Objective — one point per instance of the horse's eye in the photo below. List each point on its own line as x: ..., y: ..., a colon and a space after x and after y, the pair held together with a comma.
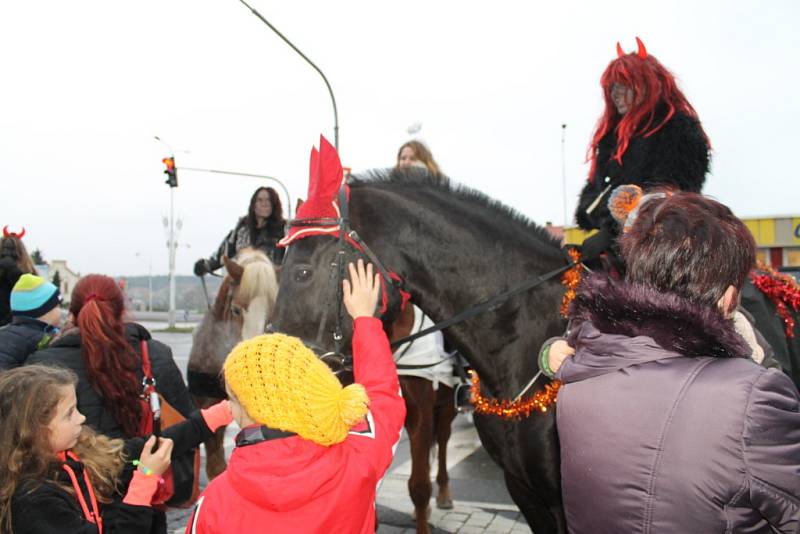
x: 236, y: 310
x: 302, y: 274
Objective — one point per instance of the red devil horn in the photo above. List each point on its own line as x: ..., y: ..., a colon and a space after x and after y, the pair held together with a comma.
x: 620, y: 51
x: 6, y: 233
x: 642, y: 53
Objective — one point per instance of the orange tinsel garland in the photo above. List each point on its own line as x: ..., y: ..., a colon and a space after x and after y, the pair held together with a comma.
x: 570, y: 280
x: 506, y: 409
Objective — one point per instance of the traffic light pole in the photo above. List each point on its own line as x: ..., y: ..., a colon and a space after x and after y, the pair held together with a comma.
x: 172, y: 181
x: 262, y: 176
x: 171, y: 257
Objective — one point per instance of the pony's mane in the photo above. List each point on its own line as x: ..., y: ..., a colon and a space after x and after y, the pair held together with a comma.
x: 259, y: 276
x: 513, y: 222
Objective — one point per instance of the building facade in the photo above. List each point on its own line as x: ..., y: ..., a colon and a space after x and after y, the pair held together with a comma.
x: 777, y: 239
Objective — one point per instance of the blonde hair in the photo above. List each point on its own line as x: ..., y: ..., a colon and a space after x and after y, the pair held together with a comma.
x: 29, y: 396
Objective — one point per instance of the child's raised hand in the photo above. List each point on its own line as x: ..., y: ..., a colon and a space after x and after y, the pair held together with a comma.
x: 362, y: 291
x: 157, y: 461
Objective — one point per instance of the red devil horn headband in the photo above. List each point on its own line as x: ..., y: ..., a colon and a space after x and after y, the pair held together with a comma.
x: 6, y: 233
x: 641, y: 52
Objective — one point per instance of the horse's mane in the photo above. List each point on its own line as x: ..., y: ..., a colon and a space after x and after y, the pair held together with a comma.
x: 259, y: 277
x: 510, y: 222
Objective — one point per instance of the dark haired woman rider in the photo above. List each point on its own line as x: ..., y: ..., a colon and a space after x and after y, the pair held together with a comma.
x: 261, y: 228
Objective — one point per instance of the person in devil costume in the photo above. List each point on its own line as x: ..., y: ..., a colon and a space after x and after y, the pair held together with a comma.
x: 14, y: 262
x: 648, y: 135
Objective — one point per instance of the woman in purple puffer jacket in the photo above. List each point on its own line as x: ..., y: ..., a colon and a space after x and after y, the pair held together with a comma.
x: 665, y: 424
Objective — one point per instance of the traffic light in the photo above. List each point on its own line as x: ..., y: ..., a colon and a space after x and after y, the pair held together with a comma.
x: 171, y: 171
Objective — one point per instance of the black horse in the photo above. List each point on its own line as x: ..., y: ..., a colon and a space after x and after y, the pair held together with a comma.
x: 455, y: 248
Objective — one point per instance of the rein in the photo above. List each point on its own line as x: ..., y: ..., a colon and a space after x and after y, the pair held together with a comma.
x: 349, y: 236
x: 529, y: 284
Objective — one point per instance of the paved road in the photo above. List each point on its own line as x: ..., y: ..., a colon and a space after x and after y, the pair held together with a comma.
x: 482, y: 503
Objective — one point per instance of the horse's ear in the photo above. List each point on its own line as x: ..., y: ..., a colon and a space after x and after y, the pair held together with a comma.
x: 233, y: 268
x: 298, y: 205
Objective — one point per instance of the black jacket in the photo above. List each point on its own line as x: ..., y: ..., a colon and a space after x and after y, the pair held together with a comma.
x: 66, y: 352
x: 22, y: 338
x: 265, y: 239
x: 676, y: 156
x: 46, y: 508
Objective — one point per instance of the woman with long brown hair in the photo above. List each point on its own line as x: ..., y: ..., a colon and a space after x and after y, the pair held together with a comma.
x: 261, y: 228
x: 59, y: 476
x: 104, y: 352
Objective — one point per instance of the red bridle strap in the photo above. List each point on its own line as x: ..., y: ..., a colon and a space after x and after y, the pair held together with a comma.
x: 405, y: 296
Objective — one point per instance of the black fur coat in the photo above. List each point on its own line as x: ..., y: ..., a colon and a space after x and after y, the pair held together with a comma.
x: 676, y: 155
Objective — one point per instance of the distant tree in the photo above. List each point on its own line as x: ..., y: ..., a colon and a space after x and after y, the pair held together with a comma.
x: 37, y: 257
x: 57, y: 279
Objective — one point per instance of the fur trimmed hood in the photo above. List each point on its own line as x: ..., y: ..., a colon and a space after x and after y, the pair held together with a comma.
x: 616, y: 325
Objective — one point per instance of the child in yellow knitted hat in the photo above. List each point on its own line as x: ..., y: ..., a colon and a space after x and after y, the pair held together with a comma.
x: 310, y: 452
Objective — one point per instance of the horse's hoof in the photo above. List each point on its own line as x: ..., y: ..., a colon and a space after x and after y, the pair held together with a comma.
x: 444, y: 502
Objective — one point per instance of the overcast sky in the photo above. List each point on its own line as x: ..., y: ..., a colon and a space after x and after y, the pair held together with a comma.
x: 87, y: 84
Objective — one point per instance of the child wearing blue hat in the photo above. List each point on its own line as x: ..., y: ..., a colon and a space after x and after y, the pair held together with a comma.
x: 35, y: 318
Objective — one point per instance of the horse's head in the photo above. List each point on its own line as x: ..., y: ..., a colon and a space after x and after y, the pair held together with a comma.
x: 248, y: 293
x: 309, y: 303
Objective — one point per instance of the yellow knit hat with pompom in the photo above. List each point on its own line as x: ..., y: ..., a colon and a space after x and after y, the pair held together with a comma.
x: 282, y: 385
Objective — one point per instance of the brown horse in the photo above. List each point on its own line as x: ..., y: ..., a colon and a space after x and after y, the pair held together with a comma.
x: 241, y: 310
x: 429, y: 414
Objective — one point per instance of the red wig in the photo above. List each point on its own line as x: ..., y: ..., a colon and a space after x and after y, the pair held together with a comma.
x: 98, y: 306
x: 653, y: 86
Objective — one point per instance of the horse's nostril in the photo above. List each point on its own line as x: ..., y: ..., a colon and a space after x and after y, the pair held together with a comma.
x: 269, y: 329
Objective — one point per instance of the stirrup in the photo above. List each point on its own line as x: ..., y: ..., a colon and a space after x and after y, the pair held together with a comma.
x: 462, y: 396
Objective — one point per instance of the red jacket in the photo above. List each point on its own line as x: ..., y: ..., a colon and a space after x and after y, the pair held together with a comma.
x: 293, y: 485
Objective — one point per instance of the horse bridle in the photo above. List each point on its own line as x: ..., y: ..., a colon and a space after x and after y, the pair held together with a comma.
x: 347, y: 237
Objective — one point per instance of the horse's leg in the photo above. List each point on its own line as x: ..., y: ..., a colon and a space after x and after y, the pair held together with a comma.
x: 542, y: 517
x: 443, y: 416
x: 418, y: 395
x: 215, y: 445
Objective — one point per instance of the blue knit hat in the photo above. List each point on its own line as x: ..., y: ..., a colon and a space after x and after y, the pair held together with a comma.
x: 33, y: 296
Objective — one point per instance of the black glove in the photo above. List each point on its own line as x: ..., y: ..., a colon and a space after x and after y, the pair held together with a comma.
x: 201, y: 267
x: 593, y: 246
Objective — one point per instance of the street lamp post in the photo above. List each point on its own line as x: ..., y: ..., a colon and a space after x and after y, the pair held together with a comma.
x: 324, y: 79
x: 564, y: 171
